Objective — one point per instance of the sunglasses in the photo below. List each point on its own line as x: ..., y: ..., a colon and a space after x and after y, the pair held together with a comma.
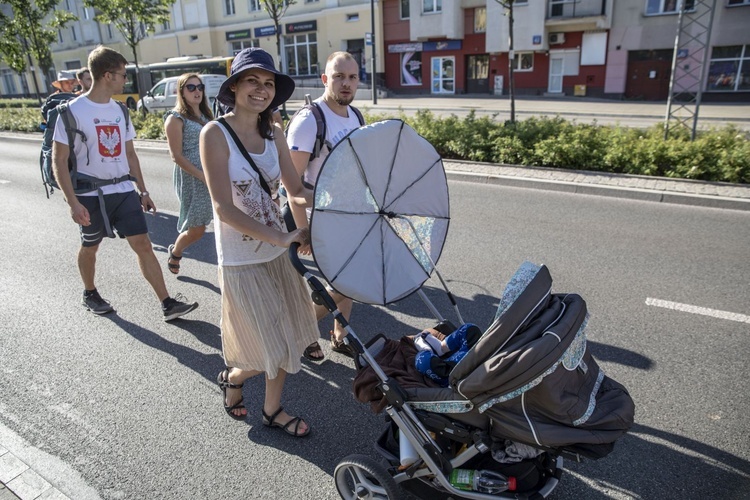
x: 193, y: 87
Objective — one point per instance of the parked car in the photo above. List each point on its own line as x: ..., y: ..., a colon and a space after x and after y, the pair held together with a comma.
x: 163, y: 96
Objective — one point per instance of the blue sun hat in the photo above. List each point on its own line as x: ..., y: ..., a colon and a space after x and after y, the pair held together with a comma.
x: 255, y: 57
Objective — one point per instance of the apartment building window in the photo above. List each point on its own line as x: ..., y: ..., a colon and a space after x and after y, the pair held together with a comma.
x: 729, y: 69
x: 301, y: 54
x: 86, y: 14
x: 431, y: 6
x: 654, y: 7
x: 59, y: 36
x: 253, y: 5
x: 73, y: 33
x: 523, y: 61
x: 239, y: 45
x: 480, y: 20
x: 311, y: 1
x: 9, y: 82
x: 739, y: 2
x: 229, y: 7
x: 404, y: 9
x: 110, y: 33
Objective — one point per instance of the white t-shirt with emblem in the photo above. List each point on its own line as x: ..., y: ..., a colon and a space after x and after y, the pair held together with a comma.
x: 103, y: 154
x: 302, y: 132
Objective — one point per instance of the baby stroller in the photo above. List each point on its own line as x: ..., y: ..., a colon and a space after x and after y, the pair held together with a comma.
x: 523, y: 397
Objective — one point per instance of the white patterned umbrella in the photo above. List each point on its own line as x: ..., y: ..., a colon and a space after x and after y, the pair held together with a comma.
x: 381, y: 213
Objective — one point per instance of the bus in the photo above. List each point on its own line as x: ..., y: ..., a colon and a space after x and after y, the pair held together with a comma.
x: 149, y: 75
x: 131, y: 91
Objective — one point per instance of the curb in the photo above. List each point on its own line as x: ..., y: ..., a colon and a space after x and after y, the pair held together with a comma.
x: 529, y: 182
x: 601, y: 190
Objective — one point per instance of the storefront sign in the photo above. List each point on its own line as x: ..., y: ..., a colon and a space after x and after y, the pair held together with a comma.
x: 265, y: 31
x: 444, y: 45
x: 302, y: 26
x: 238, y: 35
x: 397, y: 48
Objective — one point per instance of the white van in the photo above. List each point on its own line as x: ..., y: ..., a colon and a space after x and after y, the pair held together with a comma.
x: 163, y: 96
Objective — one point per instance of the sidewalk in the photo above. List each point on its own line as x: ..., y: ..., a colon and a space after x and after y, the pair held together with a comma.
x: 19, y: 481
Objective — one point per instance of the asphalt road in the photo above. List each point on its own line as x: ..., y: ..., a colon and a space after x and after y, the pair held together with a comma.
x: 126, y: 406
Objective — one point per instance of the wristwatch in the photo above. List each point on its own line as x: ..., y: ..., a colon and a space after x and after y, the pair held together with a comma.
x: 143, y: 193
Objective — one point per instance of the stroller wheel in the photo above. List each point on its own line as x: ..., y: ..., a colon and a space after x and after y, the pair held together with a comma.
x: 361, y: 477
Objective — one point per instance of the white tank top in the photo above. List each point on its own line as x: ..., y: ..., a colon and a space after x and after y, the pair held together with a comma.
x: 232, y: 247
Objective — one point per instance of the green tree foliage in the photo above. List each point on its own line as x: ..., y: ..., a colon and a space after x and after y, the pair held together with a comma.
x: 29, y: 33
x: 134, y: 19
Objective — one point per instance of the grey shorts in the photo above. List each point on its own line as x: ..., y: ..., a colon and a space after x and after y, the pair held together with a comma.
x: 124, y: 212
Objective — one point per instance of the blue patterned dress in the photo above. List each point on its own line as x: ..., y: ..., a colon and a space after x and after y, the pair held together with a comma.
x: 195, y: 202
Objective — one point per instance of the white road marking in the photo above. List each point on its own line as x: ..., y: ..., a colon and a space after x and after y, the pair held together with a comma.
x: 705, y: 311
x: 2, y: 181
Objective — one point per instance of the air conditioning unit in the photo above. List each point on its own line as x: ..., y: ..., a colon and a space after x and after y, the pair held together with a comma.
x: 556, y: 38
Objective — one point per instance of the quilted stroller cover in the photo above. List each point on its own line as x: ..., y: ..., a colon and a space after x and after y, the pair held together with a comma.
x: 533, y: 375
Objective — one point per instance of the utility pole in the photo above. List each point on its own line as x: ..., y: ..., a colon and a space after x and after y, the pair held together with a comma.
x: 689, y: 64
x: 374, y: 84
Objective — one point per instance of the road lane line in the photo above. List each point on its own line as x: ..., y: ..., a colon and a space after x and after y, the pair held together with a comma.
x: 705, y: 311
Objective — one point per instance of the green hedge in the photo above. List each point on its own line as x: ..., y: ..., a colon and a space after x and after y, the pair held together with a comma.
x: 715, y: 155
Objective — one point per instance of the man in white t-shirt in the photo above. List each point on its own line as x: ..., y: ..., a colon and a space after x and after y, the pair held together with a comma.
x: 108, y: 154
x: 341, y: 79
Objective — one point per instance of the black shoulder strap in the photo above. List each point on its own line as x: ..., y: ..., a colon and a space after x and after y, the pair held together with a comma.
x: 320, y: 123
x: 359, y: 115
x: 247, y: 156
x: 126, y: 112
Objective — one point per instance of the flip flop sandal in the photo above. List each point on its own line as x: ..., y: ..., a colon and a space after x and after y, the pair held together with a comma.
x: 271, y: 422
x: 312, y: 348
x: 224, y: 384
x: 173, y: 268
x: 340, y: 347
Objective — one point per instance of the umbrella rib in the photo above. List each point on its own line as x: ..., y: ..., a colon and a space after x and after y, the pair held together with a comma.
x: 414, y: 182
x: 362, y: 172
x: 393, y: 163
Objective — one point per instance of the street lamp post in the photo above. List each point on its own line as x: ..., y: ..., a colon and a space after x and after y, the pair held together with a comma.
x: 372, y: 40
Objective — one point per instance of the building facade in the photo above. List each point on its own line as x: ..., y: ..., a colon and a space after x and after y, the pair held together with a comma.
x: 310, y: 31
x: 601, y: 48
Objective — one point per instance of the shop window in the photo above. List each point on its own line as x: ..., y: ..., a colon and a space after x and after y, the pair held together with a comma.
x: 729, y: 69
x: 411, y: 68
x: 523, y: 61
x: 301, y: 53
x: 443, y: 75
x: 480, y: 20
x: 239, y: 45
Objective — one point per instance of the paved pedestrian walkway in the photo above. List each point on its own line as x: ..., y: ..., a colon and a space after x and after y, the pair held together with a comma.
x: 19, y: 481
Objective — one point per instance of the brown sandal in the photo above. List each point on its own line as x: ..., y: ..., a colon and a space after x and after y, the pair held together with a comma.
x: 173, y: 268
x: 270, y: 421
x: 341, y: 347
x: 311, y: 349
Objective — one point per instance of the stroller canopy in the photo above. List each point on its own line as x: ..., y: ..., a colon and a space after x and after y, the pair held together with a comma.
x: 381, y: 212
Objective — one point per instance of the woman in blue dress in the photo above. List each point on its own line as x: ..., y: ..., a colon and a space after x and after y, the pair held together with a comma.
x: 183, y: 126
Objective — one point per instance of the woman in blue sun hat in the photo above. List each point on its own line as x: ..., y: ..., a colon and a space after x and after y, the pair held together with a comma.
x: 268, y: 318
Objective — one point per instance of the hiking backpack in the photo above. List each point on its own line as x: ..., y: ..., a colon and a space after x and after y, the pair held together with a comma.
x: 57, y: 105
x: 320, y: 122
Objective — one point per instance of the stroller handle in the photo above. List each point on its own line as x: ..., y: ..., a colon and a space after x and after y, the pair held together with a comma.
x: 294, y: 257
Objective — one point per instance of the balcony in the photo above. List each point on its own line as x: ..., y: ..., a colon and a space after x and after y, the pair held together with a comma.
x: 574, y: 15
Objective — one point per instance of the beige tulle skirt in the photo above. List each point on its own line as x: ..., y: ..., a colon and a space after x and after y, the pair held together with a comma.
x: 267, y: 316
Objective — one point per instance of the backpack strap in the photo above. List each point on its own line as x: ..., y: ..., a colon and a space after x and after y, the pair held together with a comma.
x: 247, y: 156
x: 359, y: 115
x: 320, y: 136
x: 71, y: 128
